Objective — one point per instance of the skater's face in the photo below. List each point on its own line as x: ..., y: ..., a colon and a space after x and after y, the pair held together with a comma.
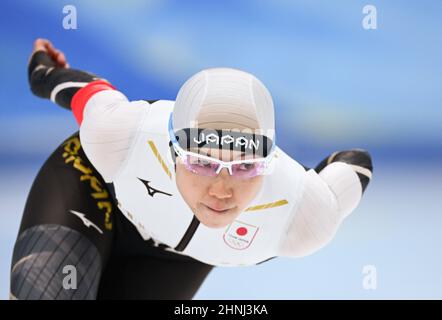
x: 216, y: 200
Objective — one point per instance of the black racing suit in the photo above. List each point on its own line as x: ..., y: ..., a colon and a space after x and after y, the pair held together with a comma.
x: 71, y: 220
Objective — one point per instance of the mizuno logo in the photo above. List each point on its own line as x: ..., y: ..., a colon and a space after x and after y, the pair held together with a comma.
x: 227, y: 139
x: 152, y: 191
x: 86, y: 221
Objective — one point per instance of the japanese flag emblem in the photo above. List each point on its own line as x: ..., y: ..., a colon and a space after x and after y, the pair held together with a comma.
x: 239, y: 235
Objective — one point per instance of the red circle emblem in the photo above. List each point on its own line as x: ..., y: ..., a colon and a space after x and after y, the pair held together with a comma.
x: 241, y: 231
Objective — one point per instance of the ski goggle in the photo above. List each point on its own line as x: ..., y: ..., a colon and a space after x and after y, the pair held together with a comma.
x: 209, y: 166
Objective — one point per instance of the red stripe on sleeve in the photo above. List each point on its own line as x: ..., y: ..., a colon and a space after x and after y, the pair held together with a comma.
x: 82, y: 96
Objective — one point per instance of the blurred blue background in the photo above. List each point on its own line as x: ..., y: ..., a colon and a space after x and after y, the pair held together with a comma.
x: 335, y: 86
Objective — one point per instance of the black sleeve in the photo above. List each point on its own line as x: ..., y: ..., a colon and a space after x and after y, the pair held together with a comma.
x: 46, y: 79
x: 357, y: 157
